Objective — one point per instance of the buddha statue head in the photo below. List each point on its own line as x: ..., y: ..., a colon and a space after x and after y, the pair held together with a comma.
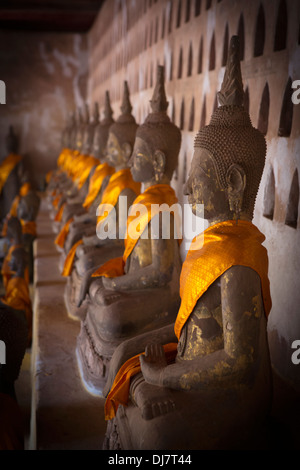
x: 14, y: 230
x: 72, y: 129
x: 80, y: 126
x: 28, y: 206
x: 229, y: 154
x: 122, y: 134
x: 101, y: 131
x: 12, y: 141
x: 90, y: 126
x: 158, y: 140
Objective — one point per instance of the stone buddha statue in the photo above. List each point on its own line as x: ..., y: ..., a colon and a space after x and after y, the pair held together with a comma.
x: 98, y: 182
x: 116, y: 142
x: 205, y: 382
x: 71, y: 203
x: 11, y: 170
x: 15, y: 274
x: 87, y: 146
x: 139, y: 291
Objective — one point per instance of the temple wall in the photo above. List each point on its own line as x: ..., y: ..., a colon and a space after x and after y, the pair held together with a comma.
x: 190, y: 37
x: 45, y: 74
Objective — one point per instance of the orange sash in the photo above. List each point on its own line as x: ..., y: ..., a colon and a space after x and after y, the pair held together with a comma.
x: 13, y: 212
x: 225, y: 244
x: 118, y: 181
x: 70, y: 259
x: 7, y: 166
x: 119, y: 392
x: 62, y: 236
x: 102, y: 171
x: 155, y: 195
x: 59, y: 213
x: 212, y: 253
x: 29, y: 227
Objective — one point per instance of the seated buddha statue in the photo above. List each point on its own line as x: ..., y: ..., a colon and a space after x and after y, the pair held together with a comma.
x: 59, y: 180
x: 205, y: 381
x: 89, y: 251
x: 73, y: 203
x: 15, y: 275
x: 68, y: 141
x: 97, y: 183
x: 139, y: 291
x: 11, y: 169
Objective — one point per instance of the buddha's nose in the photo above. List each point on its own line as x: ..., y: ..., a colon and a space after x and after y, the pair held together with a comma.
x: 187, y: 188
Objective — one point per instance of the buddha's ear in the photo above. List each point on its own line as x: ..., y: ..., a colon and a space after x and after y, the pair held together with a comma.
x: 159, y: 164
x: 236, y: 183
x: 127, y: 150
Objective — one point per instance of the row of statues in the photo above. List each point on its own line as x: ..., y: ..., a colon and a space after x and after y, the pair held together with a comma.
x: 179, y: 350
x: 19, y: 208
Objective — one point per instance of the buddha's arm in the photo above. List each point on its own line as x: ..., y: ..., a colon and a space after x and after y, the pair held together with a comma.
x: 114, y: 226
x: 137, y: 345
x: 241, y: 314
x: 156, y: 274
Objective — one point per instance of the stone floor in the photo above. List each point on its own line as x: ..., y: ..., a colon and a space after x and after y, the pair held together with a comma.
x: 58, y: 411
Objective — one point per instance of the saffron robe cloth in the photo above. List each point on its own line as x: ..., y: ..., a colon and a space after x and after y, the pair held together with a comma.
x: 211, y: 254
x: 119, y: 181
x: 102, y: 171
x: 151, y: 198
x: 13, y: 212
x: 7, y: 166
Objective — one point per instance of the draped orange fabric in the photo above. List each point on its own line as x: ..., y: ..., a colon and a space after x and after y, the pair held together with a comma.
x: 29, y: 227
x: 102, y: 171
x: 220, y: 247
x: 7, y: 166
x: 119, y: 392
x: 151, y: 199
x: 62, y: 236
x: 70, y: 259
x: 13, y: 212
x: 56, y: 201
x: 89, y: 163
x: 48, y: 176
x: 59, y: 213
x: 212, y: 253
x: 122, y: 181
x: 6, y: 270
x: 17, y: 296
x: 118, y: 182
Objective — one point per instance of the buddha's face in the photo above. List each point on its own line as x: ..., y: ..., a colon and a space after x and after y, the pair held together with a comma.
x: 116, y: 155
x: 98, y: 150
x: 141, y: 162
x: 202, y: 187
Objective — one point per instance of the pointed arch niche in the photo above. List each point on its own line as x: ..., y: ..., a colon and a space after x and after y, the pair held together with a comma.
x: 291, y: 218
x: 260, y: 32
x: 286, y: 115
x: 263, y: 117
x: 269, y: 196
x: 281, y: 27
